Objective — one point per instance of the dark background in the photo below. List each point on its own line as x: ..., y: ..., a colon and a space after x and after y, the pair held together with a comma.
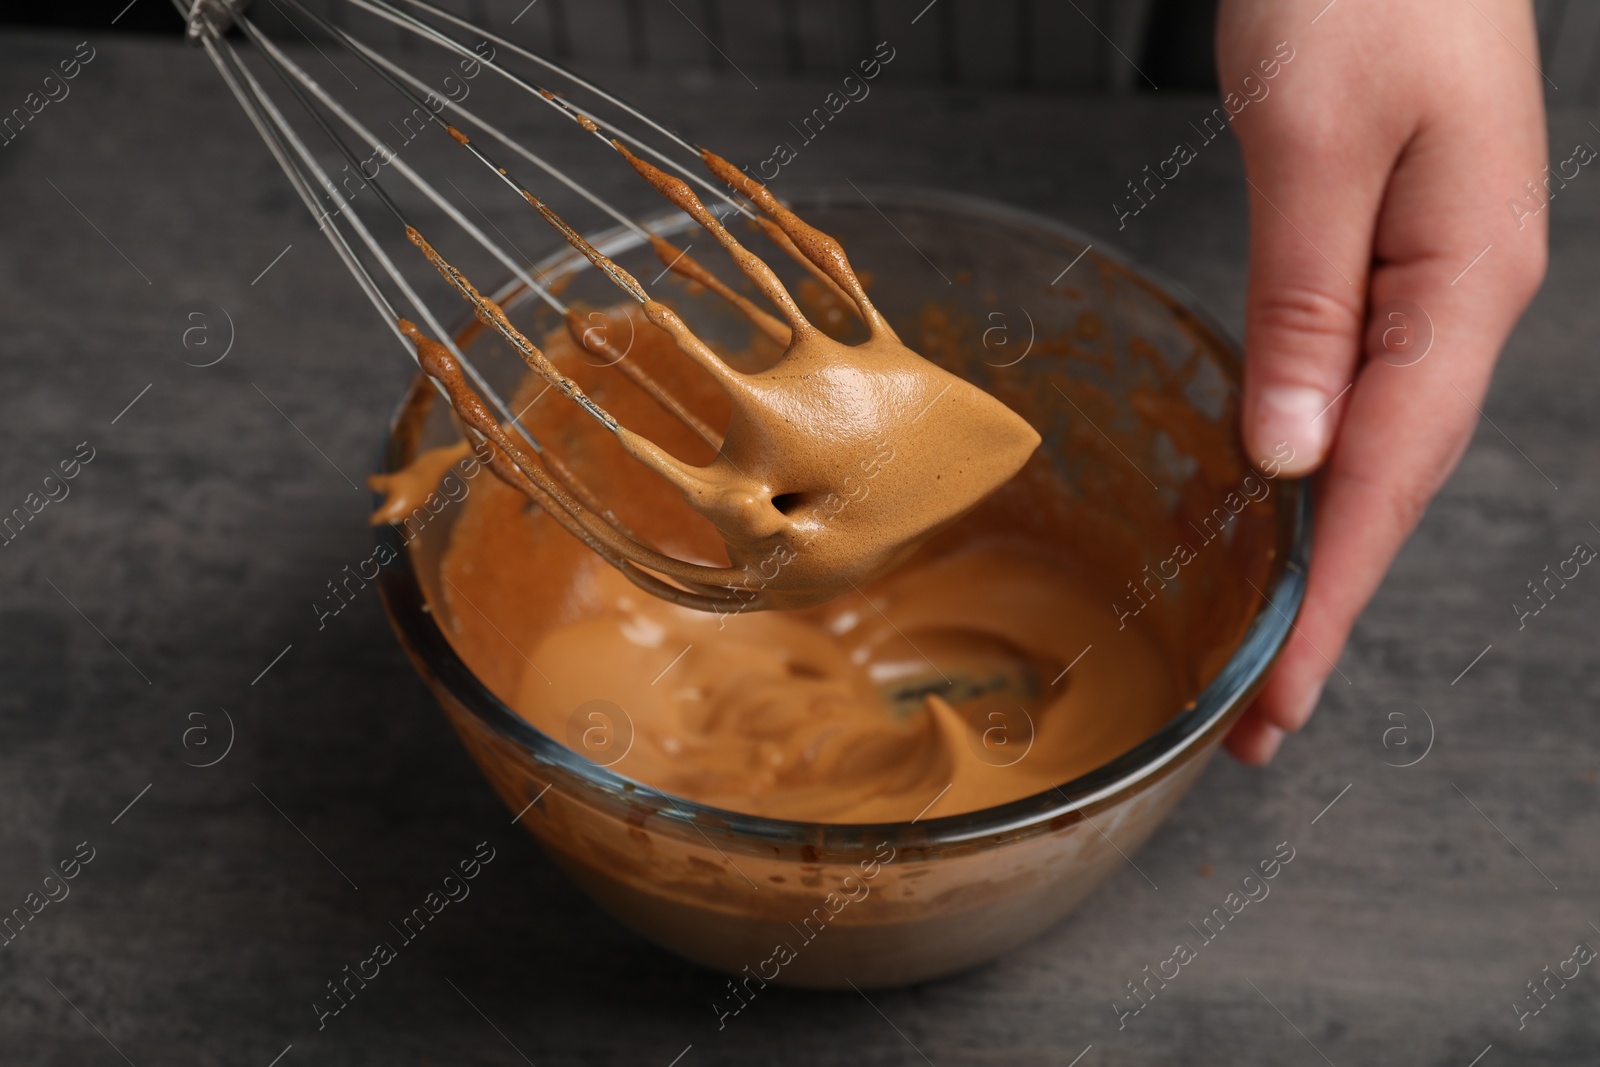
x: 1174, y: 44
x: 191, y: 548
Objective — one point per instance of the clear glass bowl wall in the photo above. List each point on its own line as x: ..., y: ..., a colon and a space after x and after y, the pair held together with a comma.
x: 820, y: 905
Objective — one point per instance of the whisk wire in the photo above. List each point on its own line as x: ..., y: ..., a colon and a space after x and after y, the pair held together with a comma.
x: 222, y: 57
x: 545, y: 480
x: 276, y: 56
x: 307, y: 160
x: 509, y: 142
x: 562, y: 472
x: 622, y: 278
x: 384, y: 9
x: 283, y: 66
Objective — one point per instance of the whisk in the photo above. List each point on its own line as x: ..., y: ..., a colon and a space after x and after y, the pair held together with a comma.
x: 943, y: 443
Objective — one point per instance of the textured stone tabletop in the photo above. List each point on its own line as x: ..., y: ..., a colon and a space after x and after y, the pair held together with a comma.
x: 175, y: 579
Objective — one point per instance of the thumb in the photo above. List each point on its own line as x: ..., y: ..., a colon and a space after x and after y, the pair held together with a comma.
x: 1313, y: 212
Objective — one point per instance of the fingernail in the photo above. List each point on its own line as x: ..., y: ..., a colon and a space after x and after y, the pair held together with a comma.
x: 1254, y: 739
x: 1269, y: 743
x: 1301, y: 713
x: 1293, y: 426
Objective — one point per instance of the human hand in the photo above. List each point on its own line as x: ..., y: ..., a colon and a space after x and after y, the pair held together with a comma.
x: 1381, y: 163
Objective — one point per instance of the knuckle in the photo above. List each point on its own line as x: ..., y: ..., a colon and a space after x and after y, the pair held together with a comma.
x: 1310, y: 136
x: 1526, y: 266
x: 1305, y: 310
x: 1406, y: 504
x: 1401, y: 502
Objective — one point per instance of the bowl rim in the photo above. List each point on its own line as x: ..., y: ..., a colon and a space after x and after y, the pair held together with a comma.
x: 1243, y: 673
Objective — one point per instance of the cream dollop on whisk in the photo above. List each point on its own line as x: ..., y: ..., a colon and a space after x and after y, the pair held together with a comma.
x: 836, y: 462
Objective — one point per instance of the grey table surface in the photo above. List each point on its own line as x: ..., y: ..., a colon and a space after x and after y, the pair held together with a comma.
x: 188, y: 552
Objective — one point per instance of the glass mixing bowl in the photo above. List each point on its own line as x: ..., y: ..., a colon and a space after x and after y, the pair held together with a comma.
x: 1146, y: 450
